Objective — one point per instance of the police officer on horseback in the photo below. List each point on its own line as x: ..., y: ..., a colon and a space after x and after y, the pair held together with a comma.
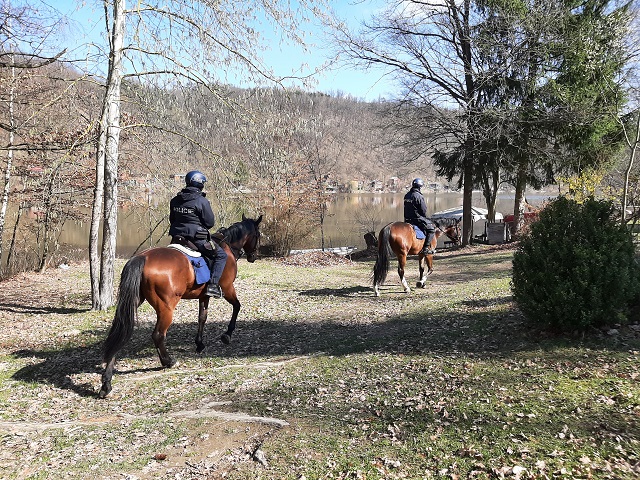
x: 415, y: 213
x: 191, y: 217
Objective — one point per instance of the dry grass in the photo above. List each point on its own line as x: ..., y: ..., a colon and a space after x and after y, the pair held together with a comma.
x: 322, y: 380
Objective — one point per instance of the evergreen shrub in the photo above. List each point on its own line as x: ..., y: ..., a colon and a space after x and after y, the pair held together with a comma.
x: 576, y: 267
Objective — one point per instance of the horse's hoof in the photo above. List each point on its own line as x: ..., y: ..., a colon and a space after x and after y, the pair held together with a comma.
x: 421, y: 284
x: 104, y: 391
x: 225, y: 338
x: 199, y: 347
x: 170, y: 362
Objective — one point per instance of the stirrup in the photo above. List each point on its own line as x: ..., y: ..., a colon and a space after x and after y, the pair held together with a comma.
x: 428, y: 251
x: 213, y: 290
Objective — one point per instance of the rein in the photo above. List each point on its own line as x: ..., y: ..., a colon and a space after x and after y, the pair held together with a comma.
x: 237, y: 252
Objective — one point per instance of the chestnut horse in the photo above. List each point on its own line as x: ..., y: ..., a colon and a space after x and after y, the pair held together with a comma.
x: 162, y: 276
x: 400, y: 238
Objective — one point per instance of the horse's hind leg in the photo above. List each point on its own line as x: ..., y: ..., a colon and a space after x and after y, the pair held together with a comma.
x: 402, y: 263
x: 202, y: 318
x: 231, y: 297
x: 106, y: 378
x: 159, y: 335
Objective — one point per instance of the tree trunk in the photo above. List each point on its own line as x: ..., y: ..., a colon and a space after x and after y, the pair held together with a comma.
x: 96, y: 214
x: 519, y: 200
x: 490, y: 192
x: 625, y: 191
x: 108, y: 149
x: 7, y: 172
x: 47, y: 230
x: 467, y: 201
x: 14, y: 235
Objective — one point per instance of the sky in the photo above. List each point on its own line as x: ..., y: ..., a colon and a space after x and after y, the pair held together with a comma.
x: 365, y: 85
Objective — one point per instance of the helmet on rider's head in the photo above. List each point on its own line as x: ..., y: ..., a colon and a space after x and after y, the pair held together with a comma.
x: 417, y: 183
x: 195, y: 179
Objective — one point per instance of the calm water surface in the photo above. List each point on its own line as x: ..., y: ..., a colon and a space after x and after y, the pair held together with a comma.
x: 349, y: 217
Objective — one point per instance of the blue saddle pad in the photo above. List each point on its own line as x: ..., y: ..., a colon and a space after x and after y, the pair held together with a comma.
x: 201, y: 269
x: 419, y: 233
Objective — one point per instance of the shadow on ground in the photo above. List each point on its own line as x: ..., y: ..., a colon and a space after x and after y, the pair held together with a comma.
x: 471, y: 333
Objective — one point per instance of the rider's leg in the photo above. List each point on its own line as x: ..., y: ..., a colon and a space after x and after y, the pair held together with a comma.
x: 219, y: 257
x: 430, y: 232
x: 213, y: 254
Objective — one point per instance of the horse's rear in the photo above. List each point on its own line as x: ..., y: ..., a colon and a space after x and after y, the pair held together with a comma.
x: 161, y: 276
x: 167, y: 277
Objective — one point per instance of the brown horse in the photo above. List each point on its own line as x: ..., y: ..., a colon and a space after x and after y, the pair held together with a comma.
x: 400, y: 238
x: 162, y: 276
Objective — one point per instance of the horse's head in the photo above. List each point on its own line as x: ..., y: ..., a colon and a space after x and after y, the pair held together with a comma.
x: 453, y: 232
x: 252, y: 239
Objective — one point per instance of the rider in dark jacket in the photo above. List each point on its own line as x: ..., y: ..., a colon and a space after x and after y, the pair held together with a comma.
x: 191, y: 217
x: 415, y: 213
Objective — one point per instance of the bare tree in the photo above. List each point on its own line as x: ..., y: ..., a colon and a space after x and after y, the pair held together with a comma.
x: 178, y: 41
x: 428, y: 47
x: 462, y: 64
x: 28, y: 46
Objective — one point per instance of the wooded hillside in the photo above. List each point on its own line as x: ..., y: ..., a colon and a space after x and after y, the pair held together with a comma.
x: 270, y: 148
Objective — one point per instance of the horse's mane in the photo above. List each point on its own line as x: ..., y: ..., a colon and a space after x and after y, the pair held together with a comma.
x: 445, y: 222
x: 236, y: 231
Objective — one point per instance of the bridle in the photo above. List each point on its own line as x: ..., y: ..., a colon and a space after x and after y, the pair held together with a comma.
x: 251, y: 254
x: 456, y: 228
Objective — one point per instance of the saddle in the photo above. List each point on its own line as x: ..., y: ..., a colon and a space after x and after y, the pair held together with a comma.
x: 198, y: 262
x: 180, y: 240
x: 219, y: 236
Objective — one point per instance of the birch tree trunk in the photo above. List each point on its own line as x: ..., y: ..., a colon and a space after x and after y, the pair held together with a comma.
x: 106, y: 192
x: 96, y: 212
x: 7, y: 172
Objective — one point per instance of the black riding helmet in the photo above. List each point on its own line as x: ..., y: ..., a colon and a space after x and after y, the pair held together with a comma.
x: 195, y: 179
x: 417, y: 183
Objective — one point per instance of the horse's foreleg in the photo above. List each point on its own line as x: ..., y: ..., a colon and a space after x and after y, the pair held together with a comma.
x: 202, y: 318
x: 233, y: 300
x: 159, y: 335
x: 426, y: 261
x: 402, y: 262
x: 422, y: 282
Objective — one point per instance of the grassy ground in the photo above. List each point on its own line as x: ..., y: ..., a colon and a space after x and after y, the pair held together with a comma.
x: 322, y: 380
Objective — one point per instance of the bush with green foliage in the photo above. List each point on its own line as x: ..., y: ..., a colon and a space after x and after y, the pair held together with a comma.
x: 576, y: 267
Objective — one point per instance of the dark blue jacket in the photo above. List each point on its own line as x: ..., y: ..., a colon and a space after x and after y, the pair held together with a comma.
x: 190, y: 214
x: 415, y: 207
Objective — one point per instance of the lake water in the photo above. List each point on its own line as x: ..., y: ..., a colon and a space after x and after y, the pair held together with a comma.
x: 349, y: 217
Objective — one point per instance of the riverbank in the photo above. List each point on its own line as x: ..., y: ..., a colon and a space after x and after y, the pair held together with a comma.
x: 321, y: 380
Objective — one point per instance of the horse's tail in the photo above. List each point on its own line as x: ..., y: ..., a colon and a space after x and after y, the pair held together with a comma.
x: 381, y: 266
x: 128, y: 302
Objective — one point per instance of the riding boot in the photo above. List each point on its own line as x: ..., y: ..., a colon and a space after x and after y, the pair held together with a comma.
x: 426, y: 250
x: 213, y: 290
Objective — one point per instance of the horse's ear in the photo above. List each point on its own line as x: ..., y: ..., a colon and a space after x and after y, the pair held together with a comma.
x: 259, y: 220
x: 243, y: 217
